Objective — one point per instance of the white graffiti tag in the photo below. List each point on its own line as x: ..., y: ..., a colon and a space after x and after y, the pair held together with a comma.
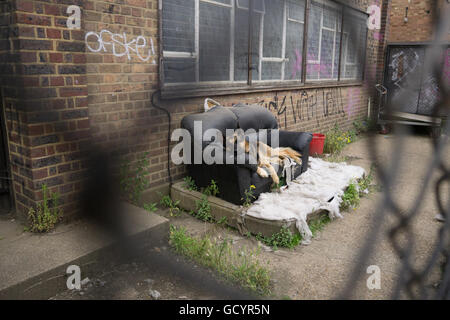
x: 408, y: 63
x: 119, y: 45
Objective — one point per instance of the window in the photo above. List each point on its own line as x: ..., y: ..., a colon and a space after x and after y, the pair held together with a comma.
x: 353, y: 45
x: 254, y: 43
x: 324, y: 38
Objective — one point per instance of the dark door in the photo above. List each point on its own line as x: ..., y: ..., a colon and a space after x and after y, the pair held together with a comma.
x: 411, y: 85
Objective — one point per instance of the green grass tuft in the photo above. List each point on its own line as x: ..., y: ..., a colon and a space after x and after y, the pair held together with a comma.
x: 242, y: 268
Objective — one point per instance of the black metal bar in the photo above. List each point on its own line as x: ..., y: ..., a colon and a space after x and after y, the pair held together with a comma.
x: 250, y: 39
x: 305, y: 40
x: 340, y: 43
x: 364, y: 55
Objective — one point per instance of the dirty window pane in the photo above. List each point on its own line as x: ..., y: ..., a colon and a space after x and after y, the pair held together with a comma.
x: 273, y: 28
x: 354, y: 44
x: 178, y: 25
x: 323, y: 41
x: 214, y: 38
x: 315, y: 17
x: 296, y: 10
x: 258, y: 5
x: 327, y: 55
x: 294, y: 40
x: 282, y: 40
x: 241, y: 63
x: 179, y: 70
x: 241, y: 45
x: 271, y: 71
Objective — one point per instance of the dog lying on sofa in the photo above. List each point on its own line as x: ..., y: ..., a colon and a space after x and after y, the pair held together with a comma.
x: 234, y: 178
x: 267, y: 156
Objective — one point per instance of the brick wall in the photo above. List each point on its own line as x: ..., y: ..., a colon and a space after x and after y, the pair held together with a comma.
x: 419, y: 27
x: 45, y: 97
x: 67, y: 92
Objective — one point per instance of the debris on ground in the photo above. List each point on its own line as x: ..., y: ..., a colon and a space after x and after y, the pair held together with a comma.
x: 155, y: 294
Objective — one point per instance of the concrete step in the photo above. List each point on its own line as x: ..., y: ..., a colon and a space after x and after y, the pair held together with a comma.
x: 34, y: 266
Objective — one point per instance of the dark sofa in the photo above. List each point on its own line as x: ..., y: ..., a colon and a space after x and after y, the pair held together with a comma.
x: 234, y: 179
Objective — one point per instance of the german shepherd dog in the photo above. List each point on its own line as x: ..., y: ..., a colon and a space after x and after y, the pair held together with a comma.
x: 267, y: 156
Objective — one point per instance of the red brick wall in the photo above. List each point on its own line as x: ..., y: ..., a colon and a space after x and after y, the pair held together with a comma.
x: 65, y: 93
x: 419, y: 26
x: 45, y: 97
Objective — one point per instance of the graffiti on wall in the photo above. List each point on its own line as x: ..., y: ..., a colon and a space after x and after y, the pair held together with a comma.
x: 305, y: 105
x: 353, y: 99
x: 119, y: 46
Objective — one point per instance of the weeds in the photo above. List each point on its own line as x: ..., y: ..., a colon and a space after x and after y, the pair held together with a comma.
x: 364, y: 126
x: 356, y: 190
x: 316, y: 225
x: 203, y: 210
x: 365, y: 184
x: 336, y: 140
x: 46, y: 214
x: 133, y: 180
x: 223, y: 220
x: 242, y: 268
x: 284, y: 238
x: 211, y: 190
x: 248, y: 196
x: 189, y: 184
x: 282, y: 183
x: 173, y: 206
x: 351, y: 198
x: 150, y: 207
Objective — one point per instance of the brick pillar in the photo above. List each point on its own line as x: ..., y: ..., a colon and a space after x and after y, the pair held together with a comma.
x: 46, y: 102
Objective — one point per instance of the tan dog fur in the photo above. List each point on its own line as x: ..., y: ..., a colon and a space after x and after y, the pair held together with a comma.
x: 268, y: 156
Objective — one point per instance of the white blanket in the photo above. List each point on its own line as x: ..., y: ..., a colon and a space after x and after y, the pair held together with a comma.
x: 319, y: 188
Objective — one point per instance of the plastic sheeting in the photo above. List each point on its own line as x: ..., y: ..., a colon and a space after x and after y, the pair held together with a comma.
x: 319, y: 188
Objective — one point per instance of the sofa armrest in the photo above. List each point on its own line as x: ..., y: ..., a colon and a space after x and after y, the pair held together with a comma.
x: 296, y: 140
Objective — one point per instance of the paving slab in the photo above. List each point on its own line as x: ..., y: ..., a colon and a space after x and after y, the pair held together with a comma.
x: 33, y: 266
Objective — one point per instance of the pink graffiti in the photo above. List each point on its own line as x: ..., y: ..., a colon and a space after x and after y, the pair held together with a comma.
x: 297, y: 66
x: 378, y: 36
x: 353, y: 95
x: 324, y: 69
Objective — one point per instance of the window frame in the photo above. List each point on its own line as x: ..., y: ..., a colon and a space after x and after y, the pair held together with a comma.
x: 199, y: 89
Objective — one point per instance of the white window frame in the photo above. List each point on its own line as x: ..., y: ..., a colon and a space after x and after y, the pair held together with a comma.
x: 336, y: 32
x: 281, y: 59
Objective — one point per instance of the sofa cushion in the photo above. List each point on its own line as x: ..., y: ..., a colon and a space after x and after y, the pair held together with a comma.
x: 254, y: 117
x: 219, y: 118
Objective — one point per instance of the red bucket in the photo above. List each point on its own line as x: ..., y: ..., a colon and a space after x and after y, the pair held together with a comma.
x: 317, y: 143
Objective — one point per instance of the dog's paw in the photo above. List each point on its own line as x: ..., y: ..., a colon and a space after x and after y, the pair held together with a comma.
x: 262, y: 173
x: 276, y: 180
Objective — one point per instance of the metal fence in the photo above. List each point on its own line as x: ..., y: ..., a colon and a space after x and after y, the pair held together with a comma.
x: 412, y: 282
